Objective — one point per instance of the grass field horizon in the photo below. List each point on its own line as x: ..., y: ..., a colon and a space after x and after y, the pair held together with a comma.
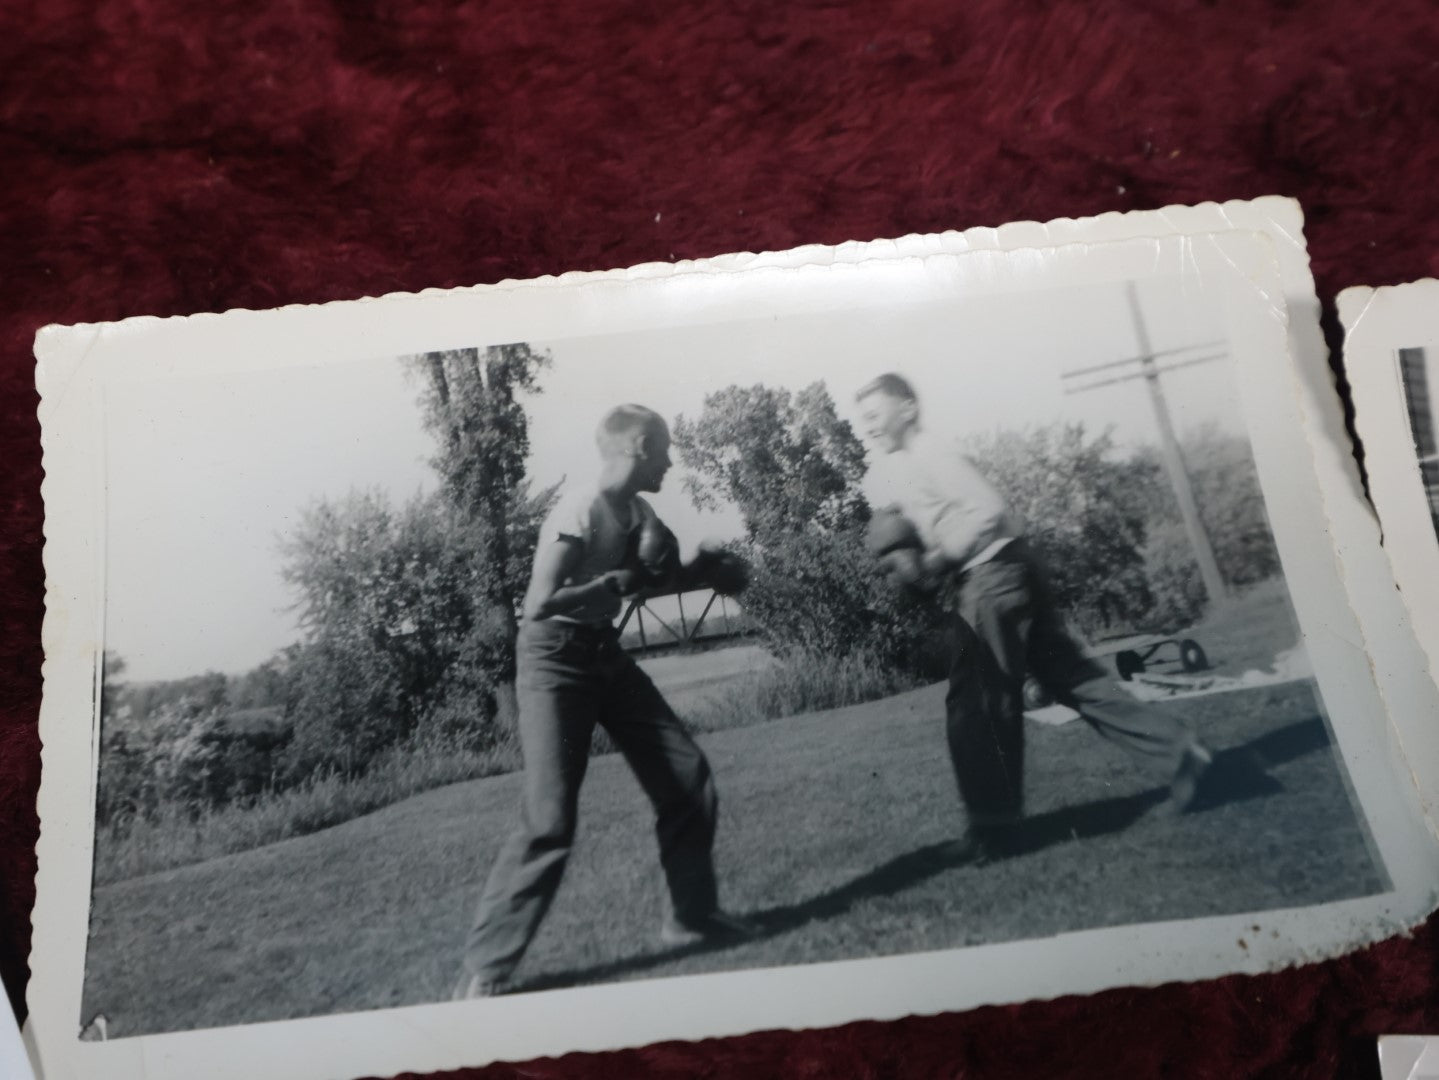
x: 830, y: 837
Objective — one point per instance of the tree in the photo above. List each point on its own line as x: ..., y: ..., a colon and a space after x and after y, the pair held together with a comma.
x: 1083, y: 513
x: 788, y: 462
x: 410, y: 615
x: 1231, y: 504
x: 111, y: 686
x: 476, y: 693
x: 158, y: 744
x: 793, y: 468
x: 385, y: 598
x: 121, y: 758
x: 472, y: 405
x: 1231, y: 507
x: 270, y: 684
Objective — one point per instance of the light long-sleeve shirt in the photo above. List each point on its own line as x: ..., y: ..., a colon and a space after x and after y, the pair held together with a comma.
x: 955, y: 510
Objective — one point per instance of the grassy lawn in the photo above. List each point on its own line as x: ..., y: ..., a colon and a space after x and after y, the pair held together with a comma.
x: 688, y: 680
x: 711, y: 690
x: 829, y: 824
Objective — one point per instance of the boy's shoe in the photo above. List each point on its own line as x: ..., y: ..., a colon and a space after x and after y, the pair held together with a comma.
x: 1185, y: 785
x: 717, y: 926
x: 473, y: 987
x: 979, y: 845
x: 974, y: 848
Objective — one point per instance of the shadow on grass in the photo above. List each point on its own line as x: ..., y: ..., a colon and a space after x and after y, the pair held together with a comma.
x: 1237, y: 775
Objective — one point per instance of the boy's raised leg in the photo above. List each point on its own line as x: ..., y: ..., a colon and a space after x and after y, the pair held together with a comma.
x: 1080, y: 681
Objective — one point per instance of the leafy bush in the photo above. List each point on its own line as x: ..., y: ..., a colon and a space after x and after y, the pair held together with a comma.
x: 176, y: 834
x: 1231, y: 504
x: 409, y: 614
x: 820, y: 594
x: 1109, y: 531
x: 1179, y: 597
x: 217, y: 761
x: 401, y: 637
x: 793, y: 468
x: 188, y: 754
x: 787, y: 461
x: 1226, y: 489
x: 1082, y: 514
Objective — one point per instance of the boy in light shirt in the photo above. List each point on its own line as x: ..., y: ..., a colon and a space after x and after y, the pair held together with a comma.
x: 1006, y: 624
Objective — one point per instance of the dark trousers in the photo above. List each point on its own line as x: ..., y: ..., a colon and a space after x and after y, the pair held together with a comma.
x: 1006, y: 627
x: 570, y: 679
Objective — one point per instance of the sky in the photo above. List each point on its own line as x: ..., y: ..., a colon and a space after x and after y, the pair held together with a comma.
x: 206, y: 475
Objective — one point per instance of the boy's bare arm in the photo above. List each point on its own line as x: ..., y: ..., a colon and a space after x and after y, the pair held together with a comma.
x: 548, y: 594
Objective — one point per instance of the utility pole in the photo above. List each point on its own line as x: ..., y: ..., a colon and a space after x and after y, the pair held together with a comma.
x: 1173, y: 460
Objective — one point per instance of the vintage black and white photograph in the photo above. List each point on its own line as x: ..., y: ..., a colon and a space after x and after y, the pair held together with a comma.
x: 948, y: 607
x: 533, y: 665
x: 1391, y: 358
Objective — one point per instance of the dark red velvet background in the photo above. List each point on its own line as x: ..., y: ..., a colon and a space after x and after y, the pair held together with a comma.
x: 161, y: 158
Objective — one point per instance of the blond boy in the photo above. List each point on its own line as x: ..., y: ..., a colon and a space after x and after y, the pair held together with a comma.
x: 953, y: 526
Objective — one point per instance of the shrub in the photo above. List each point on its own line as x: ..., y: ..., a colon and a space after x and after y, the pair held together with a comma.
x: 188, y: 756
x: 1078, y: 503
x: 1174, y: 581
x: 793, y: 468
x: 1231, y: 505
x: 820, y: 594
x: 177, y: 833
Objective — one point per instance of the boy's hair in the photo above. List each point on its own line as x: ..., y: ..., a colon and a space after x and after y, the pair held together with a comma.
x: 622, y: 422
x: 896, y: 386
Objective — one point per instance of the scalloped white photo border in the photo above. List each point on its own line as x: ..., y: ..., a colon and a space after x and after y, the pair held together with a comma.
x: 1255, y: 249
